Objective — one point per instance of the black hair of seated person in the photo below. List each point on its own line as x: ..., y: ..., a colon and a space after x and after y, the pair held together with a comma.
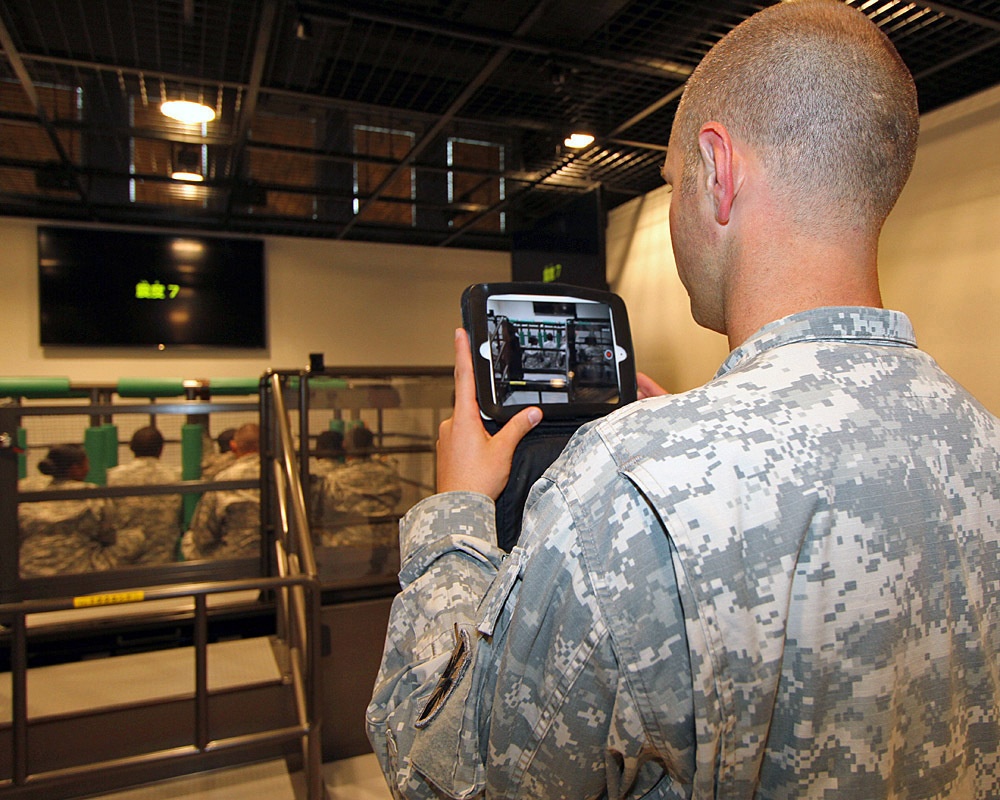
x: 147, y: 441
x: 223, y: 440
x: 359, y: 441
x: 62, y: 459
x: 330, y: 444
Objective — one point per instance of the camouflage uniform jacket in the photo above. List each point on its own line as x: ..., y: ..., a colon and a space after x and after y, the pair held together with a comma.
x: 66, y: 536
x: 783, y: 584
x: 353, y: 497
x: 226, y: 522
x: 364, y: 487
x: 158, y: 515
x: 213, y: 463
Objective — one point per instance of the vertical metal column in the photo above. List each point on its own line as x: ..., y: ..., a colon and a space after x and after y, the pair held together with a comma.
x: 202, y: 735
x: 9, y: 577
x: 19, y: 698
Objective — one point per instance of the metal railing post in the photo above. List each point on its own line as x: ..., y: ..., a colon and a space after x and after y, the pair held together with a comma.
x: 19, y: 698
x: 202, y: 736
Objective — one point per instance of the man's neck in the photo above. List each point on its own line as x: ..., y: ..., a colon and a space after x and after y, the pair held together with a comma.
x: 776, y: 281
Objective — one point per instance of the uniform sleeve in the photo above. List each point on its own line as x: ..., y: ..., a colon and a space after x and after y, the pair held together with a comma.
x: 105, y: 532
x: 565, y: 719
x: 499, y: 677
x: 424, y: 718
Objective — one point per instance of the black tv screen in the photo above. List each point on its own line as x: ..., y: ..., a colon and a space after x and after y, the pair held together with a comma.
x: 121, y: 289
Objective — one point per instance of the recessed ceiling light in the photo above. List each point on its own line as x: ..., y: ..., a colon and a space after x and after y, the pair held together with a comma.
x: 187, y: 176
x: 187, y: 112
x: 578, y: 140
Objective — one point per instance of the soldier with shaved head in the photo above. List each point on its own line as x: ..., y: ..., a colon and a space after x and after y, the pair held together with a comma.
x: 782, y: 584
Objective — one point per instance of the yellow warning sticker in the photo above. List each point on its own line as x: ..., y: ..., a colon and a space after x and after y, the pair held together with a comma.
x: 109, y: 599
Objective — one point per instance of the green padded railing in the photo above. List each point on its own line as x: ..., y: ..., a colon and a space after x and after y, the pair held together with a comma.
x: 38, y: 388
x: 231, y: 386
x: 150, y: 387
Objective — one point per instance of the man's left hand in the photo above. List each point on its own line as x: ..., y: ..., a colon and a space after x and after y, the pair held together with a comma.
x: 469, y: 458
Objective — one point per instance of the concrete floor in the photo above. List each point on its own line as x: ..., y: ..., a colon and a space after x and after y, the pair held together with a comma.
x: 356, y: 778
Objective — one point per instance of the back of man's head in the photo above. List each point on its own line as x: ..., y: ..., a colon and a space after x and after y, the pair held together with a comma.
x: 147, y: 441
x: 330, y: 444
x: 823, y: 99
x: 358, y: 441
x: 246, y: 440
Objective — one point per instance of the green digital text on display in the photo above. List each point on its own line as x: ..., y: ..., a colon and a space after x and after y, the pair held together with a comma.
x: 146, y: 290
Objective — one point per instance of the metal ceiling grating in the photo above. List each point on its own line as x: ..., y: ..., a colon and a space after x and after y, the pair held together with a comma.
x: 425, y: 121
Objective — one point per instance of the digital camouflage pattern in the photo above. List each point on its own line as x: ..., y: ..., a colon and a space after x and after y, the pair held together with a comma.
x: 226, y: 522
x: 350, y: 495
x: 157, y: 515
x: 60, y: 537
x: 213, y: 463
x: 320, y: 467
x: 783, y: 584
x: 356, y: 506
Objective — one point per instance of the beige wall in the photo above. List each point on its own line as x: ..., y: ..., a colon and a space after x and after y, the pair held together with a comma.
x: 358, y: 303
x: 939, y: 258
x: 940, y: 253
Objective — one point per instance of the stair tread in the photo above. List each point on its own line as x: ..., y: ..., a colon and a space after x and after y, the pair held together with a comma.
x: 140, y: 678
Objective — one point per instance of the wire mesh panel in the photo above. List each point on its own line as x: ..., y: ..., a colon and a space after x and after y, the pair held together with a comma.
x: 368, y: 437
x: 101, y: 490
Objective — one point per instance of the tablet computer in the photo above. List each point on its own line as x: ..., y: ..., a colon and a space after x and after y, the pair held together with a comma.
x: 563, y: 348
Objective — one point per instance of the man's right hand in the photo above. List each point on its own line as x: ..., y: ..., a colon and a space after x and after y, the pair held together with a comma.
x: 468, y: 457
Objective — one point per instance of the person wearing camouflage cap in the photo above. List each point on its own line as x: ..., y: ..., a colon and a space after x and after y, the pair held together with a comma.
x: 782, y: 584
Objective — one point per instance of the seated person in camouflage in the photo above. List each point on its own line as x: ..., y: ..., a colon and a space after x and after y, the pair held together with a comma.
x: 329, y: 453
x: 157, y: 515
x: 215, y: 460
x: 226, y: 522
x: 329, y: 457
x: 357, y: 504
x: 67, y: 536
x: 534, y: 357
x: 554, y: 353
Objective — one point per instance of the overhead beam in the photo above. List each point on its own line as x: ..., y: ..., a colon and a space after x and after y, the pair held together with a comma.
x: 326, y: 11
x: 446, y: 118
x: 21, y: 71
x: 958, y: 13
x: 265, y: 31
x: 957, y: 59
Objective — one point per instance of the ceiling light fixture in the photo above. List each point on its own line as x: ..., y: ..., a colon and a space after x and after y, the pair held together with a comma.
x: 187, y: 164
x: 303, y: 29
x: 188, y: 112
x: 578, y: 140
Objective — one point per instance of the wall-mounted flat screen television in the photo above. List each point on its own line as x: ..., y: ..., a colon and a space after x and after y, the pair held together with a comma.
x: 109, y: 288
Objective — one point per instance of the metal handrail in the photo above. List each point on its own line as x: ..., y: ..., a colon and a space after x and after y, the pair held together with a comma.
x: 15, y: 615
x: 295, y: 557
x: 291, y: 474
x: 298, y: 605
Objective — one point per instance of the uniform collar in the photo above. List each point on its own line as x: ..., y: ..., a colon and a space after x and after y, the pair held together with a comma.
x: 858, y: 324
